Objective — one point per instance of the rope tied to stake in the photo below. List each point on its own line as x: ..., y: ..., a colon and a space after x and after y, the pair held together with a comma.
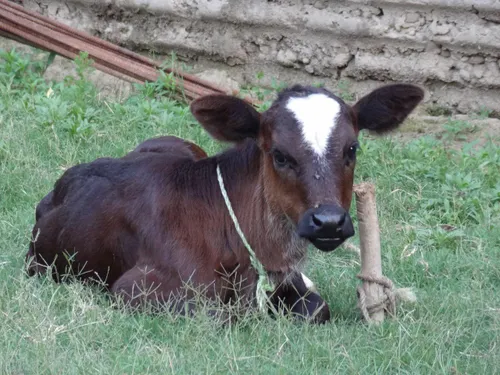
x: 386, y: 303
x: 264, y: 285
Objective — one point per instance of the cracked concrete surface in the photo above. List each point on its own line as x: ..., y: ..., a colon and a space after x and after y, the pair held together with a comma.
x: 452, y: 47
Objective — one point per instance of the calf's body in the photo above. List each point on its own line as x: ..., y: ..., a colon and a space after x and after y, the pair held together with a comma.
x: 152, y: 221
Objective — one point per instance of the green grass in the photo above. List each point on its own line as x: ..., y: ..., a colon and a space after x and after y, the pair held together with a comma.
x: 439, y: 211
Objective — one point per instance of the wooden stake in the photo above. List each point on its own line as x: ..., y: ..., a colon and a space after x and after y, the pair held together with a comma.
x: 372, y: 292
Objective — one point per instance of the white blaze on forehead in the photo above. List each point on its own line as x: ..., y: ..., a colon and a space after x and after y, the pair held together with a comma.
x: 317, y: 115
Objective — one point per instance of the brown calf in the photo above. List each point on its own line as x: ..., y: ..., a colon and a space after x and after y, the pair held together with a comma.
x: 152, y: 221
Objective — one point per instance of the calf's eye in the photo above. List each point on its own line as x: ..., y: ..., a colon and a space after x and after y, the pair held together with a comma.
x: 280, y: 160
x: 351, y: 152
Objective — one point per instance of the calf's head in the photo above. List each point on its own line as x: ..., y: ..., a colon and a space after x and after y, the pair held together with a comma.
x: 308, y: 143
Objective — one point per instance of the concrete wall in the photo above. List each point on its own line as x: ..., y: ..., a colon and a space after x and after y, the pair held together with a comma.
x: 452, y: 47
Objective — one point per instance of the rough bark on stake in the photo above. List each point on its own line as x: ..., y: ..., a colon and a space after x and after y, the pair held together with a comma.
x: 375, y: 294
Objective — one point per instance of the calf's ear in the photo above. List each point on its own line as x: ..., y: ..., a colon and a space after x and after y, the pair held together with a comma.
x: 385, y: 108
x: 226, y: 118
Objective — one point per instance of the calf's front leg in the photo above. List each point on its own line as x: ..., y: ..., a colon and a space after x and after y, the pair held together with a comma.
x: 301, y: 300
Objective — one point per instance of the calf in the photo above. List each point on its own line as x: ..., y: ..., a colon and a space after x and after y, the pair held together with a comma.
x: 154, y: 220
x: 177, y: 147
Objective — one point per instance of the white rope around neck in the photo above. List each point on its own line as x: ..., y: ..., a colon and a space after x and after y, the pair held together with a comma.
x: 264, y: 285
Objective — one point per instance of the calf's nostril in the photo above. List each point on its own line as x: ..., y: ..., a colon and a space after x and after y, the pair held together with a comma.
x: 333, y: 221
x: 342, y: 219
x: 328, y: 220
x: 317, y: 221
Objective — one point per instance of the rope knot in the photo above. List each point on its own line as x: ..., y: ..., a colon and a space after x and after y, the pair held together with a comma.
x: 386, y: 302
